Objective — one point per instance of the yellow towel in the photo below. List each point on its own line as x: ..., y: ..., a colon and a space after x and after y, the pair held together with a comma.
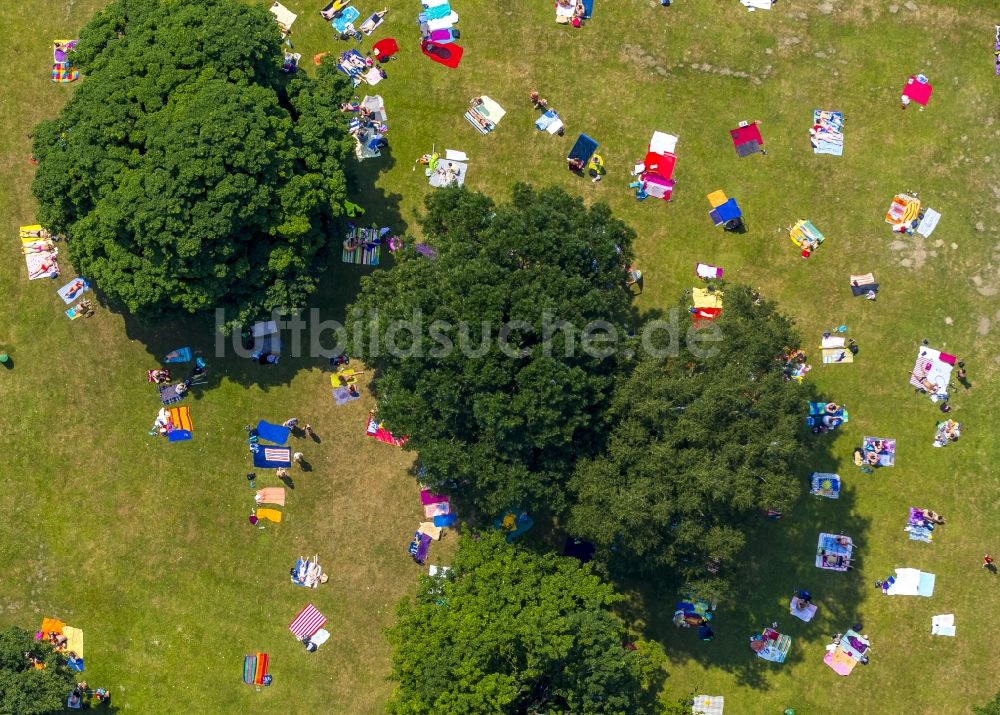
x: 269, y: 514
x: 717, y: 198
x: 74, y: 640
x: 703, y: 298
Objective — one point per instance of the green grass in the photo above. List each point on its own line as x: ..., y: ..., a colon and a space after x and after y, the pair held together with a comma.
x: 146, y: 546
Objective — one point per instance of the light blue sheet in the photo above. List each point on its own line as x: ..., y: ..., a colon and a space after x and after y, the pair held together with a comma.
x: 347, y: 17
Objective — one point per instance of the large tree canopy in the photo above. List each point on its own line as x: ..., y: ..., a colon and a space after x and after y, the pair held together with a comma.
x: 509, y: 631
x: 187, y: 171
x: 497, y: 422
x: 697, y: 444
x: 25, y: 690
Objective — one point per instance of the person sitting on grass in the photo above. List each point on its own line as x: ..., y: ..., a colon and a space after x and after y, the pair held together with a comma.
x: 538, y: 103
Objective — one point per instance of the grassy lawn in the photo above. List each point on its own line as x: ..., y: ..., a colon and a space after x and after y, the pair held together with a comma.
x: 146, y: 545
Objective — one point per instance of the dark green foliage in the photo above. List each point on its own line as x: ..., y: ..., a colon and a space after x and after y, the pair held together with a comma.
x: 697, y: 444
x: 490, y: 427
x: 990, y: 708
x: 25, y: 690
x: 187, y: 172
x: 509, y: 631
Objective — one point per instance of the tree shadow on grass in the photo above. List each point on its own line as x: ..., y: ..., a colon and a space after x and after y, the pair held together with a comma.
x: 779, y: 559
x: 338, y: 284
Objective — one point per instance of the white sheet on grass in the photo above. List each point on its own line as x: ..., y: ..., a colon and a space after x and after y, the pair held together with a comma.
x: 943, y: 625
x: 662, y: 143
x: 928, y: 223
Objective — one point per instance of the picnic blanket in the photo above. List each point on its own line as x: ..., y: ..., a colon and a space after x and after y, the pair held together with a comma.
x: 928, y: 223
x: 827, y: 133
x: 272, y: 432
x: 271, y: 495
x: 307, y: 622
x: 583, y: 148
x: 347, y: 17
x: 343, y: 395
x: 747, y: 139
x: 943, y: 625
x: 265, y: 457
x: 385, y: 48
x: 488, y: 110
x: 439, y: 177
x: 776, y: 645
x: 178, y: 355
x: 805, y: 613
x: 74, y: 640
x: 437, y: 509
x: 887, y: 453
x: 910, y: 582
x: 419, y: 547
x: 41, y: 265
x: 169, y: 394
x: 283, y: 16
x: 840, y: 661
x: 369, y: 25
x: 932, y: 372
x: 269, y: 514
x: 376, y: 430
x: 449, y: 55
x: 919, y: 532
x: 307, y: 573
x: 833, y: 555
x: 862, y: 284
x: 549, y: 122
x: 73, y: 290
x: 180, y: 418
x: 918, y: 89
x: 825, y: 484
x: 804, y: 233
x: 63, y: 73
x: 836, y: 356
x: 255, y: 668
x: 704, y: 298
x: 707, y: 272
x: 430, y: 529
x: 708, y: 705
x: 903, y: 212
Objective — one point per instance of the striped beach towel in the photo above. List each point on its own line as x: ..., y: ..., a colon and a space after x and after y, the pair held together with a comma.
x: 307, y: 622
x: 180, y: 418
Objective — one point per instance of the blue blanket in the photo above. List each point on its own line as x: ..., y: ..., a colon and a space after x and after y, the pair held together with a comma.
x: 347, y: 17
x: 272, y: 433
x: 265, y: 457
x: 583, y: 149
x: 438, y: 12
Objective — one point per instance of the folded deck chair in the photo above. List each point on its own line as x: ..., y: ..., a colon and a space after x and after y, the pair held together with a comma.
x: 269, y: 514
x: 271, y: 495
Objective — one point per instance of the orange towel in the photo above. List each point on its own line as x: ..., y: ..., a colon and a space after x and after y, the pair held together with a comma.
x: 180, y: 418
x: 51, y: 625
x: 271, y: 495
x: 269, y: 514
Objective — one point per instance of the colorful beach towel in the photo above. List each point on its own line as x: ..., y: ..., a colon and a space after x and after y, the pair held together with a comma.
x: 827, y: 133
x: 265, y: 457
x: 932, y: 372
x: 307, y: 622
x: 41, y: 265
x: 62, y: 73
x: 169, y: 394
x: 343, y: 395
x: 180, y: 418
x: 178, y: 355
x: 886, y: 449
x: 825, y: 484
x: 376, y: 430
x: 747, y: 139
x: 347, y: 17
